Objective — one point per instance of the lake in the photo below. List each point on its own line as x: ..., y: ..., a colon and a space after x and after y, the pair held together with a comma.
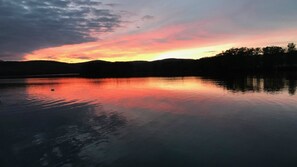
x: 182, y: 121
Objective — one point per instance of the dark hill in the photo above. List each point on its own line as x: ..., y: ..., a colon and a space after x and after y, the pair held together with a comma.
x: 31, y: 68
x: 236, y: 60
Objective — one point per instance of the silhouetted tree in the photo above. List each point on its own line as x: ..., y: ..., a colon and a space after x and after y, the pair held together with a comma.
x: 258, y: 51
x: 273, y: 50
x: 291, y: 47
x: 243, y: 51
x: 292, y: 86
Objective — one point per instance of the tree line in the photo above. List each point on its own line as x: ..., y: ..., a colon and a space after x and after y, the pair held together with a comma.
x: 266, y: 59
x: 269, y: 50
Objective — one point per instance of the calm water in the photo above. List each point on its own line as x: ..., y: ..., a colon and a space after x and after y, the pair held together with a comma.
x: 148, y: 122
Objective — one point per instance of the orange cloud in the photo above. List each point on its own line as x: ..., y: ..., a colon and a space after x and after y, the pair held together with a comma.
x: 191, y: 40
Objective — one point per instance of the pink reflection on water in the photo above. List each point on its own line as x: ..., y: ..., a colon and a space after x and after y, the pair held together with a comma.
x: 154, y: 94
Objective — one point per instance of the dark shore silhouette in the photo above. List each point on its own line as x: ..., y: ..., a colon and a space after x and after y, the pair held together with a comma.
x: 272, y: 59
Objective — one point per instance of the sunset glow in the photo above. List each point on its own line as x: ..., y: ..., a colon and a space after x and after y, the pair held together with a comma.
x: 128, y: 31
x: 134, y: 47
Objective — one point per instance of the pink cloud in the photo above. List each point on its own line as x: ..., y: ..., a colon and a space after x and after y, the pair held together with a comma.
x: 146, y: 45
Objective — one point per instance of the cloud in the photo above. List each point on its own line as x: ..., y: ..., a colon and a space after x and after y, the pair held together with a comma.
x: 39, y: 27
x: 112, y: 4
x: 27, y: 25
x: 147, y: 17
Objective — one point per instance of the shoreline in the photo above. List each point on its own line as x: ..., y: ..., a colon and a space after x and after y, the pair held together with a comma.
x: 41, y: 76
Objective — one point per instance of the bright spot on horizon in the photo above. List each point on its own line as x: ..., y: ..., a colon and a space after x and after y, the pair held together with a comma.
x: 194, y: 53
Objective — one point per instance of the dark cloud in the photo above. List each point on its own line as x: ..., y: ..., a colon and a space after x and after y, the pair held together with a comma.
x: 27, y: 25
x: 112, y: 4
x: 147, y: 17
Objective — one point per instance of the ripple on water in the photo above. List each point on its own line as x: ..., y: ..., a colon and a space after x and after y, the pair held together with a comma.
x: 225, y: 121
x: 57, y: 132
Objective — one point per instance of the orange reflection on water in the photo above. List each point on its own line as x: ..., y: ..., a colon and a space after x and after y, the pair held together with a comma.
x: 145, y: 93
x: 154, y: 94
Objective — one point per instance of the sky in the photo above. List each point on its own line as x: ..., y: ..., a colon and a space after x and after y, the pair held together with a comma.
x: 127, y: 30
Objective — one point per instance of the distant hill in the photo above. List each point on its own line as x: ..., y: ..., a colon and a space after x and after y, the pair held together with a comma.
x: 167, y: 67
x: 236, y: 60
x: 31, y: 68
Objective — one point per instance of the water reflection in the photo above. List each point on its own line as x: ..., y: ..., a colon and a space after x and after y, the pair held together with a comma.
x: 256, y: 84
x: 191, y: 121
x: 234, y: 83
x: 164, y: 94
x: 55, y: 133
